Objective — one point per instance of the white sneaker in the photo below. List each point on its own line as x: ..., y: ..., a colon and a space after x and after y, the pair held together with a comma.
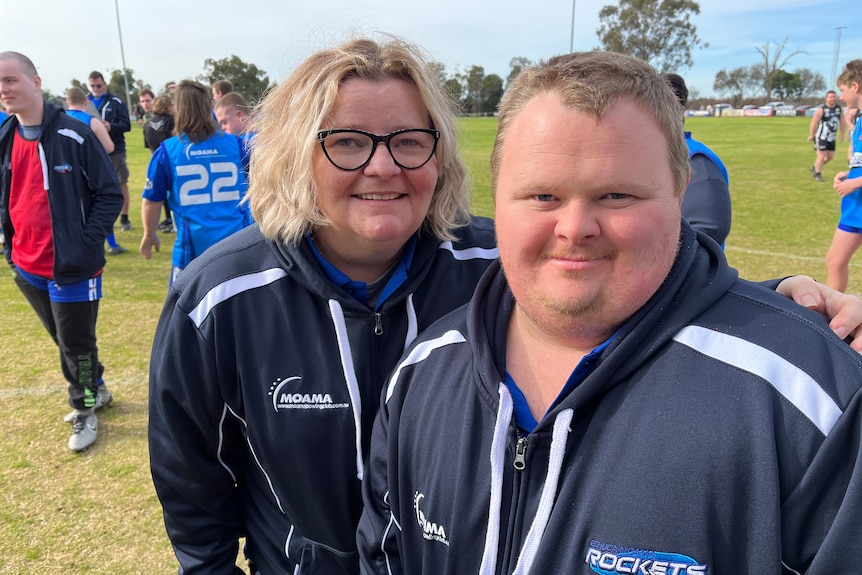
x: 103, y: 398
x: 84, y: 428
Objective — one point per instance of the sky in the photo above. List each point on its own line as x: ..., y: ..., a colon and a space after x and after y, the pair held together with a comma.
x: 169, y: 40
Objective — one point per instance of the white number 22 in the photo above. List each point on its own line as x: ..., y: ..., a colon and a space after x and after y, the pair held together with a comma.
x: 224, y: 181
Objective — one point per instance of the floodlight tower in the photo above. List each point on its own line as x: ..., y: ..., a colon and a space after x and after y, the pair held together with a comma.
x: 835, y: 56
x: 572, y: 40
x: 123, y: 56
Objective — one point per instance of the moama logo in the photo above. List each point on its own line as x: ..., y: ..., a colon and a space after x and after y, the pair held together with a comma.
x: 283, y: 398
x: 430, y: 530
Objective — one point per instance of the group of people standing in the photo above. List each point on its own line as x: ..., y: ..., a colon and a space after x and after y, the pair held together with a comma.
x: 372, y: 380
x: 65, y: 181
x: 827, y: 122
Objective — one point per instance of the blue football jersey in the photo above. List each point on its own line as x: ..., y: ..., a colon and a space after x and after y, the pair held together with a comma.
x: 203, y: 184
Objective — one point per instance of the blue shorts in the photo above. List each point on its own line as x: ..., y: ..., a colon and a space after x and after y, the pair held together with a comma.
x: 87, y: 290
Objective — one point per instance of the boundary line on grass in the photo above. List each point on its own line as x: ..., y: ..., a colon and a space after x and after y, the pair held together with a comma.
x: 785, y: 256
x: 61, y: 387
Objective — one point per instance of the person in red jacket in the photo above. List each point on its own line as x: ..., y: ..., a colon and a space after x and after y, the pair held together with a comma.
x: 59, y: 196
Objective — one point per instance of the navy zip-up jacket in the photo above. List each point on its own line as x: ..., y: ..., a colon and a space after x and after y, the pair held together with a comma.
x: 114, y: 111
x: 83, y: 193
x: 719, y: 433
x: 264, y: 381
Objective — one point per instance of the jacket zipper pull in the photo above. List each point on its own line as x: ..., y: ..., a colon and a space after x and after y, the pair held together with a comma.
x: 378, y: 324
x: 521, y: 454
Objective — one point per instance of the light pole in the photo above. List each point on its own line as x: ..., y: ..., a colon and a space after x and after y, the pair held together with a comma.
x: 835, y: 56
x: 123, y: 56
x: 572, y: 39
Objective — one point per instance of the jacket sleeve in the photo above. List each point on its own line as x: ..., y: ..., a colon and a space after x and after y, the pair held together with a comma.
x: 820, y: 518
x: 379, y: 530
x: 706, y: 203
x: 121, y: 122
x: 106, y: 198
x: 196, y: 448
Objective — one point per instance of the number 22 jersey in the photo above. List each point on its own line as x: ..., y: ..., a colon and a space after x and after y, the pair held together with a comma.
x: 203, y: 184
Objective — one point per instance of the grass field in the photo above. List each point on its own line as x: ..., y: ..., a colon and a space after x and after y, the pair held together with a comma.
x: 96, y: 513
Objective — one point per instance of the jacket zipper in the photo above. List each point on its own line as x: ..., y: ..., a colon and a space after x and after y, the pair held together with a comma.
x: 509, y: 548
x: 378, y: 323
x: 520, y: 453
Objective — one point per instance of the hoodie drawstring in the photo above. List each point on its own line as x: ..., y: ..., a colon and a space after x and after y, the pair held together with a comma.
x: 350, y: 377
x: 412, y: 322
x: 498, y: 457
x: 549, y: 490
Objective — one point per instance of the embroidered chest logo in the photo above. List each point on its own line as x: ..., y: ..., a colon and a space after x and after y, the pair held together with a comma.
x: 430, y: 530
x: 609, y: 559
x: 285, y: 394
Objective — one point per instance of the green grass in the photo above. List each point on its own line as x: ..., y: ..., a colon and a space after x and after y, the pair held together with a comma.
x: 97, y: 513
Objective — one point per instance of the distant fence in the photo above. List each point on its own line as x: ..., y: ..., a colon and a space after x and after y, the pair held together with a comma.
x: 753, y: 113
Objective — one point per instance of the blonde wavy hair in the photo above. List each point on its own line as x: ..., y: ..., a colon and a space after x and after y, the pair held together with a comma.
x: 593, y: 82
x: 282, y: 191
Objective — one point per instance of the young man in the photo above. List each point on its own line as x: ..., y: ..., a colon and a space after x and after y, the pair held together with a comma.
x: 706, y: 203
x: 220, y: 88
x: 146, y: 99
x: 232, y: 113
x: 77, y: 105
x: 825, y: 123
x: 848, y: 184
x: 115, y: 115
x: 59, y: 197
x: 613, y: 399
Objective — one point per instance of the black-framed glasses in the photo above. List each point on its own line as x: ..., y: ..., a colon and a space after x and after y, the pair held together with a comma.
x: 352, y: 149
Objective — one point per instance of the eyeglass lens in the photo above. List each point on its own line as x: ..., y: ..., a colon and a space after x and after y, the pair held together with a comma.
x: 351, y: 150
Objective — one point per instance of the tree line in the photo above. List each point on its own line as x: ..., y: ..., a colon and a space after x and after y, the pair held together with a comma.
x: 657, y: 31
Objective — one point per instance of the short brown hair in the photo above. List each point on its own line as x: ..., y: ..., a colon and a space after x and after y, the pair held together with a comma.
x: 76, y: 96
x: 223, y: 86
x: 592, y: 82
x: 852, y: 73
x: 233, y: 100
x: 26, y: 63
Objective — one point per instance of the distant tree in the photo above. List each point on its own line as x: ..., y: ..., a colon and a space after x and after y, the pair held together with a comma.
x: 772, y: 62
x: 53, y: 98
x: 732, y: 84
x: 473, y: 84
x: 247, y: 79
x: 492, y: 91
x: 755, y: 80
x: 455, y: 89
x: 516, y: 66
x: 657, y: 31
x: 117, y: 85
x: 813, y: 83
x: 79, y: 84
x: 787, y: 86
x: 440, y: 69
